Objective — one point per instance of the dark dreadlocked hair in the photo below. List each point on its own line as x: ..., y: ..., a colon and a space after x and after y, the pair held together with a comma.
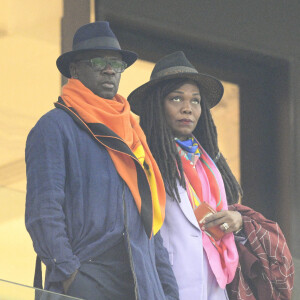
x: 161, y: 140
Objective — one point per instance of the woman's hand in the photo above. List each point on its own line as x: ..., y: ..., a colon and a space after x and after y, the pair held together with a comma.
x: 233, y: 219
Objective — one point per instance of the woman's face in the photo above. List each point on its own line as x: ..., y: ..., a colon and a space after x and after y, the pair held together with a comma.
x: 183, y: 110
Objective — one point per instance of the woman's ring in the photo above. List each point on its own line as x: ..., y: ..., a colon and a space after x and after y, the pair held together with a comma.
x: 225, y: 226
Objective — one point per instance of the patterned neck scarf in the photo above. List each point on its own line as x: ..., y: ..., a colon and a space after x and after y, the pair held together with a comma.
x: 188, y: 148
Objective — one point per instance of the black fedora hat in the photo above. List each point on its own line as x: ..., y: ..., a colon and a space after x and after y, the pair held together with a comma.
x: 176, y: 65
x: 90, y: 37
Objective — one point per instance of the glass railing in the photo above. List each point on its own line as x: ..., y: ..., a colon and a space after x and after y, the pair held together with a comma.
x: 14, y: 291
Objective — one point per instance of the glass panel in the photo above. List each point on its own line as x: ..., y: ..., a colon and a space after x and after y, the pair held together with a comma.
x: 14, y: 291
x: 29, y: 46
x: 23, y: 41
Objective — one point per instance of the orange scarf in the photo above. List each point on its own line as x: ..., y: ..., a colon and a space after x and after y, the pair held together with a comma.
x: 115, y: 114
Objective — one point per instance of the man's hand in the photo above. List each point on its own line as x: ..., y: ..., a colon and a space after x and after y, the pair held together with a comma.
x: 233, y: 219
x: 66, y: 283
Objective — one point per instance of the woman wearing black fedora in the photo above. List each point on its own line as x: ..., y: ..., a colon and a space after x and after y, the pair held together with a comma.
x: 174, y: 114
x: 174, y: 109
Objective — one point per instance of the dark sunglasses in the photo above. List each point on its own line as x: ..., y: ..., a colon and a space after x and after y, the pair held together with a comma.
x: 100, y: 63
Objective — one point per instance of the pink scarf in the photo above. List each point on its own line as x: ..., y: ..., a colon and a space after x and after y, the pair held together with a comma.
x: 223, y: 267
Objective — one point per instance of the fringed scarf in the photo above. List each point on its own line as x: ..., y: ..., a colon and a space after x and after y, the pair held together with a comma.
x: 132, y: 151
x: 192, y: 155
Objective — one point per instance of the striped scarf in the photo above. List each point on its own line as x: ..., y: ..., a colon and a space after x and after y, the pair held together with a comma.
x: 190, y: 153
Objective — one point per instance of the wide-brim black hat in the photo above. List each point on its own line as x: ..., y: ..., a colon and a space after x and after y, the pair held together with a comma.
x: 176, y: 65
x: 91, y: 37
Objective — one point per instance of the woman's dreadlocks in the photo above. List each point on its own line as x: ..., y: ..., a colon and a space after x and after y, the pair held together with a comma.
x: 161, y: 141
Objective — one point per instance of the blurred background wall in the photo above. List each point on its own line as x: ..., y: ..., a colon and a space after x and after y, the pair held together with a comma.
x: 29, y: 84
x: 252, y: 46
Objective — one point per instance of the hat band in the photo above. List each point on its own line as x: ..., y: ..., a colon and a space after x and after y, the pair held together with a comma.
x: 172, y: 71
x: 95, y: 43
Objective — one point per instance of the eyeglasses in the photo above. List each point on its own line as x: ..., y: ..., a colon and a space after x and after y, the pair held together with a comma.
x: 100, y: 63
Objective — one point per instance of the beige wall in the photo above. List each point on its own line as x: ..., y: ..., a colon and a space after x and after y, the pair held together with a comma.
x: 227, y: 119
x: 30, y: 83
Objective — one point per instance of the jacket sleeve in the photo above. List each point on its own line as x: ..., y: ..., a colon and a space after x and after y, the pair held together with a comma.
x: 44, y: 216
x: 164, y: 269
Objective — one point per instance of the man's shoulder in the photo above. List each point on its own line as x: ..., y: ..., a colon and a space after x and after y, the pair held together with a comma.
x: 54, y: 117
x: 55, y: 114
x: 56, y: 121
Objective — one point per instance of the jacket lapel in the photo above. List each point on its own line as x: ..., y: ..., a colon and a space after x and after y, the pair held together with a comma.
x: 186, y: 207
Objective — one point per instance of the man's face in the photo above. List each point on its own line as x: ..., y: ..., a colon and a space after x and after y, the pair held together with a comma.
x: 104, y: 83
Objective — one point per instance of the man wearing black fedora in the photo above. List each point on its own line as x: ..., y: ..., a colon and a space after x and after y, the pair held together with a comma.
x: 95, y: 197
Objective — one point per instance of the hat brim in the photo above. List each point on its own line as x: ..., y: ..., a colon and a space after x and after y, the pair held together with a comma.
x: 63, y: 61
x: 210, y: 87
